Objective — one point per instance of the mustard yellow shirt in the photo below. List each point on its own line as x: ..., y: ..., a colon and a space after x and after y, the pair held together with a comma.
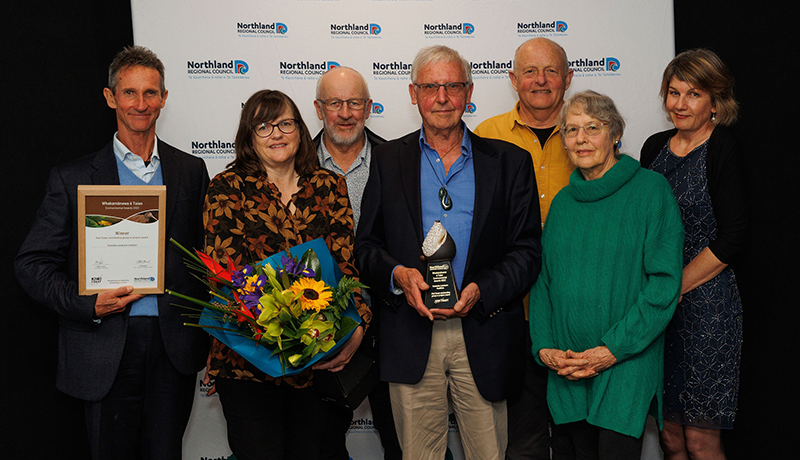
x: 551, y: 163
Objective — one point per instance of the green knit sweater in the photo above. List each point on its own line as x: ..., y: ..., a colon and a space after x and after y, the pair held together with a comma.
x: 611, y: 275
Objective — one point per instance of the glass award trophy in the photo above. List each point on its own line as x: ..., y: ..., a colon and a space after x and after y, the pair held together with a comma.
x: 439, y: 250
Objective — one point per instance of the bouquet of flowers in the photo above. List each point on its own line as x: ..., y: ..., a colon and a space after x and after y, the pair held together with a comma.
x: 283, y: 313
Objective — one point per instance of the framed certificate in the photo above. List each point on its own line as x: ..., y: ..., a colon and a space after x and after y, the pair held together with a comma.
x: 121, y: 238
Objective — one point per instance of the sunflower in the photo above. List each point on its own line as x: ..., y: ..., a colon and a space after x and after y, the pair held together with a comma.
x: 315, y: 295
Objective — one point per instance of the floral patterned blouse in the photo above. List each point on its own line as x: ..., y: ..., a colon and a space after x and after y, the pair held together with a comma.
x: 246, y: 222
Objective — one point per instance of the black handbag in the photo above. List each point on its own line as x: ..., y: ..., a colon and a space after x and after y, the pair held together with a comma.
x: 348, y: 387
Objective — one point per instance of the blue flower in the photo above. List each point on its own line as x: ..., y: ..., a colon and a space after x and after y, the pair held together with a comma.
x: 294, y: 268
x: 239, y: 278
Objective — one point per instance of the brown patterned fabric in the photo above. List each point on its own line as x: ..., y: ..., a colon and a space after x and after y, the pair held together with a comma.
x: 246, y: 222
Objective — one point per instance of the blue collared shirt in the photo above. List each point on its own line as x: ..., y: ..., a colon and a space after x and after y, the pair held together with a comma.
x: 135, y: 163
x: 147, y: 305
x: 460, y: 184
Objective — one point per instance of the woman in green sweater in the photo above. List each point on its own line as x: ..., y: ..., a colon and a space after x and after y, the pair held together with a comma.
x: 610, y: 280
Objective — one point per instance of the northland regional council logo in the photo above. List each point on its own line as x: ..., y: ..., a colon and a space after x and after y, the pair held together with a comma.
x: 491, y: 69
x: 394, y: 70
x: 304, y: 70
x: 213, y: 69
x: 261, y: 29
x: 376, y: 110
x: 213, y: 149
x: 442, y: 30
x: 542, y: 29
x: 351, y: 30
x: 470, y: 109
x: 584, y: 67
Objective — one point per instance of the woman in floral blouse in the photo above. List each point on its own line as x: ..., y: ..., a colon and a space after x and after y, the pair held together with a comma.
x: 274, y: 196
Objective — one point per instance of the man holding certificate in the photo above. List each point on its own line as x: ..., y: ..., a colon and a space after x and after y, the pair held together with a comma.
x: 127, y: 355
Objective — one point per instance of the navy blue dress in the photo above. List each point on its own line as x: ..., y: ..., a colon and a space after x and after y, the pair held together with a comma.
x: 704, y: 339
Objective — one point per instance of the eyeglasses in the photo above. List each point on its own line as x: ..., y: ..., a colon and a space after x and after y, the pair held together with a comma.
x: 336, y: 104
x: 453, y: 88
x: 286, y: 126
x: 591, y: 130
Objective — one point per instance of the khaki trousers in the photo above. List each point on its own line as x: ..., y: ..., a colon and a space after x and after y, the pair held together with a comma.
x: 421, y: 410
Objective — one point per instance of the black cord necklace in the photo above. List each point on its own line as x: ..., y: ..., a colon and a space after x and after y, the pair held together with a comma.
x: 444, y: 197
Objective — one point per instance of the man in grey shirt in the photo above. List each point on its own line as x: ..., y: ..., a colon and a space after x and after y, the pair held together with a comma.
x: 344, y: 146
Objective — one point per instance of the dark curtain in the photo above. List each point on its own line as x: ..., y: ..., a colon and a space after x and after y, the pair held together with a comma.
x: 758, y: 41
x: 57, y: 56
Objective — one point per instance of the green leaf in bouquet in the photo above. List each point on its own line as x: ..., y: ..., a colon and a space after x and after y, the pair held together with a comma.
x: 269, y: 310
x: 295, y: 359
x: 346, y: 324
x: 274, y: 329
x: 321, y: 327
x: 276, y: 286
x: 267, y: 340
x: 310, y: 350
x: 297, y: 309
x: 284, y: 297
x: 210, y: 306
x: 284, y: 315
x: 311, y: 262
x: 269, y: 271
x: 291, y: 334
x: 326, y: 345
x: 285, y: 279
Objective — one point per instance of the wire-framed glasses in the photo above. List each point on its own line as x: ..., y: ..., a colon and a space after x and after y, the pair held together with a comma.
x: 591, y: 129
x: 453, y: 88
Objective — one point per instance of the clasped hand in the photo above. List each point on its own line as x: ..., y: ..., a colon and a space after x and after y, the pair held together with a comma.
x: 578, y: 365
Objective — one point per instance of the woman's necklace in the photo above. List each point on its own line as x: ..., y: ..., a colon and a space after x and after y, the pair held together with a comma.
x: 444, y: 197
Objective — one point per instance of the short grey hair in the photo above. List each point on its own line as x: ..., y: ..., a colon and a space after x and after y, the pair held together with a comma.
x: 597, y: 106
x: 437, y: 54
x: 132, y: 56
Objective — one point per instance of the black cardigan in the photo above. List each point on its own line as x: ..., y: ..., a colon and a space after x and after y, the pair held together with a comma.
x: 726, y: 185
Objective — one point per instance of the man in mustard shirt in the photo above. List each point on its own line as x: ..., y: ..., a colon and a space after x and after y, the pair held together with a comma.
x: 541, y: 76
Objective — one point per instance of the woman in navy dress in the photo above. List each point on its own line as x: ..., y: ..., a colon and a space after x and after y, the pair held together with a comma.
x: 702, y: 160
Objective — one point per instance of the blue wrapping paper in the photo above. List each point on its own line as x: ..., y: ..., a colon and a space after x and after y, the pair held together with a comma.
x: 261, y: 356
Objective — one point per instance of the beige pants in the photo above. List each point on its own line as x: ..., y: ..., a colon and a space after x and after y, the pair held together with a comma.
x: 420, y: 411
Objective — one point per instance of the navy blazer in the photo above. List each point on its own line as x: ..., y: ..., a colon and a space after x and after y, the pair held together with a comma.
x: 504, y: 260
x: 89, y: 353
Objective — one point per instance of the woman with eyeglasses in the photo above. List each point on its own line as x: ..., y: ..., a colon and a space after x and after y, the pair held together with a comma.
x: 611, y: 271
x: 273, y: 196
x: 702, y: 160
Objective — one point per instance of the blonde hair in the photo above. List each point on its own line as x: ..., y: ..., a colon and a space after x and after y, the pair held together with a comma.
x: 703, y: 69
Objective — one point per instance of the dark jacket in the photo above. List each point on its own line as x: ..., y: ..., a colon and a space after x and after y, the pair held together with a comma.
x: 89, y: 352
x: 726, y: 186
x: 504, y: 260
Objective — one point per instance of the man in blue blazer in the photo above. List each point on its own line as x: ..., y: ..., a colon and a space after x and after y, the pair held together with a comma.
x: 128, y: 356
x: 484, y: 193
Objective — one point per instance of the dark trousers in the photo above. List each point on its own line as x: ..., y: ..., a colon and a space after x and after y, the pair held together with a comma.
x: 145, y: 413
x: 339, y: 419
x: 588, y: 442
x: 270, y: 422
x: 528, y: 414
